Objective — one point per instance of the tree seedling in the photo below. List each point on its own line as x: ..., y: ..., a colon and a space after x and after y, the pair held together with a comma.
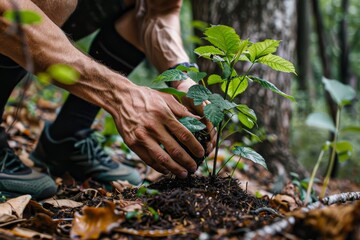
x: 342, y: 95
x: 226, y: 49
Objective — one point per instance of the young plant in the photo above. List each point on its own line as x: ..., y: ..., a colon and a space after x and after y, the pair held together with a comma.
x: 342, y: 95
x: 226, y: 49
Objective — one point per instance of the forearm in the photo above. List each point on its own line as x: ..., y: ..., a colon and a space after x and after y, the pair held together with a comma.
x: 159, y: 27
x: 48, y: 45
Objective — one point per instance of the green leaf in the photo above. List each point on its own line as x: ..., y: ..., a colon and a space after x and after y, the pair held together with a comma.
x: 250, y: 154
x: 208, y: 51
x: 214, y: 79
x: 26, y: 16
x: 236, y: 86
x: 196, y: 76
x: 268, y: 85
x: 214, y: 114
x: 320, y: 120
x: 242, y: 47
x: 186, y: 69
x: 220, y: 102
x: 63, y: 73
x: 277, y: 63
x: 342, y: 94
x: 44, y: 78
x: 351, y: 129
x: 173, y: 91
x: 224, y: 38
x: 245, y: 120
x: 247, y: 111
x: 170, y: 75
x: 261, y: 49
x: 192, y: 124
x: 344, y: 149
x: 198, y: 93
x: 246, y: 116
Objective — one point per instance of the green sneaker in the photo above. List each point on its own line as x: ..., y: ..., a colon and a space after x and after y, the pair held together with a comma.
x: 17, y: 179
x: 82, y: 156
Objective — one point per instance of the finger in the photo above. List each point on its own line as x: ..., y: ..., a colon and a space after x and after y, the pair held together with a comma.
x: 185, y: 137
x: 156, y: 156
x: 173, y: 148
x: 144, y: 155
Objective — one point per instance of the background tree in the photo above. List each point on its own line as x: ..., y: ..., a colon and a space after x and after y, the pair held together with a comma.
x: 259, y: 20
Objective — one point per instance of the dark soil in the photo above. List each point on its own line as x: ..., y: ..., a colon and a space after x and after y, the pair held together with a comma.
x: 201, y: 204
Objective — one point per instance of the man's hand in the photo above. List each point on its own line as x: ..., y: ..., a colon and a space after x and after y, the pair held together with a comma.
x: 147, y: 119
x: 198, y: 110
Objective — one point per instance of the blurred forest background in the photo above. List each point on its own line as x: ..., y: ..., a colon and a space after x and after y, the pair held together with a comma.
x: 321, y: 37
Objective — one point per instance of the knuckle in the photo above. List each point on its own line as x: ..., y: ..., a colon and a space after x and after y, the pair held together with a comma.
x: 176, y: 153
x: 185, y: 137
x: 140, y: 134
x: 162, y: 159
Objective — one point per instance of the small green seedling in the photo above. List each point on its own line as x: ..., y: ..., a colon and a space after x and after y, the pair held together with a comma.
x: 342, y: 95
x: 226, y: 49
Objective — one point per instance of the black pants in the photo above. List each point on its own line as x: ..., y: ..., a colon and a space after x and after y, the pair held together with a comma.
x: 108, y: 48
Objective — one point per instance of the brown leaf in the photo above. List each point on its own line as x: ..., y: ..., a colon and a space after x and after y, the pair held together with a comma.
x: 63, y: 203
x: 13, y: 208
x: 283, y: 203
x: 95, y: 221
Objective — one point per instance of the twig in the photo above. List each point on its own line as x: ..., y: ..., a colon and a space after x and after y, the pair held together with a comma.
x: 279, y: 226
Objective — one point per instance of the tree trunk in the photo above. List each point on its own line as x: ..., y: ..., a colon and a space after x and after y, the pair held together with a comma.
x: 259, y: 20
x: 303, y: 56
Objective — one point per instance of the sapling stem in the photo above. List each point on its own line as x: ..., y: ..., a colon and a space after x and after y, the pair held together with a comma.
x: 219, y: 132
x: 333, y: 152
x: 311, y: 181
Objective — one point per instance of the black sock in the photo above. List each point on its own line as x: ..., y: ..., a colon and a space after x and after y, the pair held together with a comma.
x: 113, y: 51
x: 10, y: 75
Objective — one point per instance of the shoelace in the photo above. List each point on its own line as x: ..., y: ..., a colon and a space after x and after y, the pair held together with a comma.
x: 10, y: 162
x: 91, y: 146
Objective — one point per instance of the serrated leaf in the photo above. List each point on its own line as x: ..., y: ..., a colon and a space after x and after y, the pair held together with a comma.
x: 192, y: 124
x: 245, y: 120
x: 242, y: 47
x: 320, y: 120
x: 236, y: 86
x: 26, y: 16
x: 63, y: 73
x: 250, y: 154
x: 341, y: 93
x: 261, y: 49
x: 247, y: 111
x: 186, y: 69
x: 208, y: 51
x: 170, y: 75
x: 224, y: 38
x: 220, y: 102
x: 277, y: 63
x: 213, y: 114
x: 198, y: 93
x: 196, y: 76
x: 214, y: 79
x: 268, y: 85
x: 178, y: 94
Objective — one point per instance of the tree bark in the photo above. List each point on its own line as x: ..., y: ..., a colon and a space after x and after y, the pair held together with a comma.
x: 259, y: 20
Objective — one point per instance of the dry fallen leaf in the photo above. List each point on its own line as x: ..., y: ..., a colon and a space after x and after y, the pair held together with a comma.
x: 283, y: 203
x: 95, y: 221
x: 63, y: 203
x: 13, y: 208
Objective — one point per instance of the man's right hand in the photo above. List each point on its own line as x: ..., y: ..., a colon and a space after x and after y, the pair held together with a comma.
x: 147, y: 119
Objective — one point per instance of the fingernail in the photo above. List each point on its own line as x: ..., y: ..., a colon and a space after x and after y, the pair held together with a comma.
x: 193, y: 169
x: 183, y: 174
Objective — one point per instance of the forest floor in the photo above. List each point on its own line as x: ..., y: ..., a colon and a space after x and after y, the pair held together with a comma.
x: 239, y: 204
